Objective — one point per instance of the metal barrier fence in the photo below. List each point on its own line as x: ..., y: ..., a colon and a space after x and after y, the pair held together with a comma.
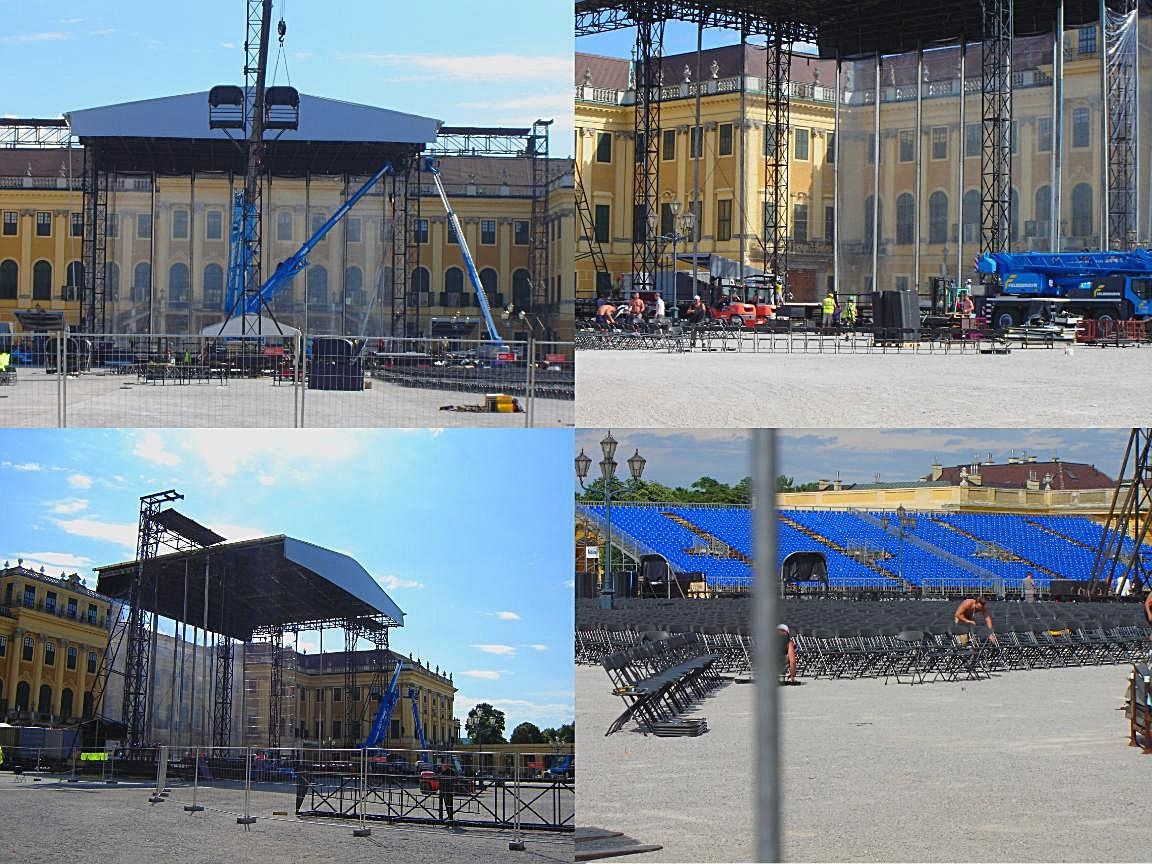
x: 718, y: 337
x: 295, y: 380
x: 509, y: 791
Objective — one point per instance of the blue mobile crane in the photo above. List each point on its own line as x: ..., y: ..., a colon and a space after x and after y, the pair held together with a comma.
x: 1106, y: 286
x: 287, y: 269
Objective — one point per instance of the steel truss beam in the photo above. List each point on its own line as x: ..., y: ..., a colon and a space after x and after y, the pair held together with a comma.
x: 1129, y: 522
x: 777, y: 120
x: 646, y: 138
x: 588, y: 229
x: 34, y: 132
x: 1120, y: 43
x: 996, y: 126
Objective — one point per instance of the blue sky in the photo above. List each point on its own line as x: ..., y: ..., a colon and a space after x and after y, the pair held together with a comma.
x: 677, y: 457
x: 679, y: 37
x: 464, y: 529
x: 505, y: 64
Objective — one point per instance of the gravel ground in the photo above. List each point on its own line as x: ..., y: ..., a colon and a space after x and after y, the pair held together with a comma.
x: 1027, y: 766
x: 644, y: 389
x: 118, y: 400
x: 96, y: 824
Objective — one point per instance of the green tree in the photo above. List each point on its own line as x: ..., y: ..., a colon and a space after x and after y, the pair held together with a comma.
x: 485, y: 725
x: 567, y: 733
x: 527, y: 733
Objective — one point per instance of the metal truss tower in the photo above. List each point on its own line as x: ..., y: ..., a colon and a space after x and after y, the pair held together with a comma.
x: 996, y: 125
x: 93, y: 300
x: 222, y: 705
x: 1118, y: 566
x: 538, y: 225
x: 1120, y: 44
x: 646, y: 129
x: 777, y: 118
x: 276, y: 685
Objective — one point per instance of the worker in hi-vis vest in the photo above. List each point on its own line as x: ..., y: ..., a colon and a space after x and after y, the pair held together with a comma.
x: 828, y: 308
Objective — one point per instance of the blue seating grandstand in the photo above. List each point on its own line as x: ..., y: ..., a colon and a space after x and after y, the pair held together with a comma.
x: 956, y: 548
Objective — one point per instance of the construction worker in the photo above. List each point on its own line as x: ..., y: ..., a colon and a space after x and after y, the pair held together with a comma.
x: 848, y: 316
x: 966, y: 612
x: 828, y: 310
x: 5, y: 362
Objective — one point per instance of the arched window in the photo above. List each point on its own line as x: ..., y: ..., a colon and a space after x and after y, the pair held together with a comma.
x: 178, y: 290
x: 23, y: 696
x: 1082, y: 210
x: 66, y: 703
x: 454, y: 280
x: 938, y: 217
x: 420, y: 281
x: 42, y: 280
x: 44, y: 703
x: 905, y: 219
x: 970, y: 216
x: 112, y: 281
x: 354, y: 286
x: 141, y: 282
x: 284, y: 226
x: 490, y: 279
x: 317, y: 286
x: 1043, y: 210
x: 73, y: 280
x: 521, y: 289
x: 9, y: 279
x: 213, y: 289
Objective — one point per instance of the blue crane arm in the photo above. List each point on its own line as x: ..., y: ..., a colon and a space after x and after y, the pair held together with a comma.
x: 469, y: 264
x: 384, y: 713
x: 425, y: 753
x: 286, y: 270
x: 1065, y: 264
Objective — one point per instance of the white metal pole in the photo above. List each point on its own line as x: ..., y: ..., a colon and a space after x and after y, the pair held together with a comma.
x: 765, y: 619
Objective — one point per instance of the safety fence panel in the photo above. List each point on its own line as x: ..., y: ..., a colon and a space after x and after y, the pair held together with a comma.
x: 552, y: 384
x: 31, y: 381
x: 133, y: 380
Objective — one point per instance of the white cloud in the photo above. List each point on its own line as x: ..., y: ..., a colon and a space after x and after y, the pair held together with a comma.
x: 570, y: 583
x: 52, y: 560
x: 536, y: 646
x: 22, y: 466
x: 234, y: 531
x: 487, y: 674
x: 228, y: 452
x: 546, y: 102
x: 150, y: 446
x: 121, y: 533
x: 265, y: 479
x: 502, y: 650
x: 394, y: 583
x: 543, y: 714
x: 80, y: 481
x: 48, y: 36
x: 69, y: 505
x: 71, y: 20
x: 102, y: 31
x: 481, y: 67
x: 302, y: 55
x: 229, y: 45
x: 506, y: 616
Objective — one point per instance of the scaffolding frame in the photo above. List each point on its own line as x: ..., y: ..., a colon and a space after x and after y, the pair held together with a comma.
x: 1129, y: 518
x: 94, y: 246
x: 649, y: 24
x: 538, y: 215
x: 1121, y: 88
x: 777, y: 129
x: 996, y: 125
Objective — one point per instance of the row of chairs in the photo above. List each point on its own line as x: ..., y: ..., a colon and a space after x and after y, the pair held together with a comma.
x: 731, y: 645
x: 660, y: 680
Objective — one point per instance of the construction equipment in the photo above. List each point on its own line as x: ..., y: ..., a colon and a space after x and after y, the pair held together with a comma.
x: 1105, y: 286
x: 388, y: 701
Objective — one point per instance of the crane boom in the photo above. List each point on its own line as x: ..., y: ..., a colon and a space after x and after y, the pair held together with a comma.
x: 388, y: 702
x: 473, y: 276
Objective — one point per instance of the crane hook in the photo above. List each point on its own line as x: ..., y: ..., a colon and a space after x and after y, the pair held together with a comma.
x: 281, y: 28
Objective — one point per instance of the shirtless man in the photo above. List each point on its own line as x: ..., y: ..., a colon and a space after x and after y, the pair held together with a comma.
x: 636, y: 310
x: 788, y: 647
x: 966, y: 611
x: 606, y: 315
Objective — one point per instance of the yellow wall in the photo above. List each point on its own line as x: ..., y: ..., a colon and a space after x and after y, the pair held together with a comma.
x: 61, y: 629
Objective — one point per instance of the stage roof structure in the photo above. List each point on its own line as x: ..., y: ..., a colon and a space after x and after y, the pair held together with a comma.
x: 258, y: 586
x: 838, y: 29
x: 171, y: 135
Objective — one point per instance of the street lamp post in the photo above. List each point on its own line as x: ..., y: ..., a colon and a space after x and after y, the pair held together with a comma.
x: 608, y: 466
x: 907, y: 525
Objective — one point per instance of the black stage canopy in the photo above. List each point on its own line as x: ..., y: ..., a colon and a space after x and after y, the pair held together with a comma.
x: 257, y: 586
x: 849, y: 30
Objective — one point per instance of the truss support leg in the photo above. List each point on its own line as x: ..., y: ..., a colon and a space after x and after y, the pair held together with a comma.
x: 996, y: 126
x: 646, y: 174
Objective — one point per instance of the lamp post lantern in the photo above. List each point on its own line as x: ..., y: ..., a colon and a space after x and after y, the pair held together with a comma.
x: 608, y: 466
